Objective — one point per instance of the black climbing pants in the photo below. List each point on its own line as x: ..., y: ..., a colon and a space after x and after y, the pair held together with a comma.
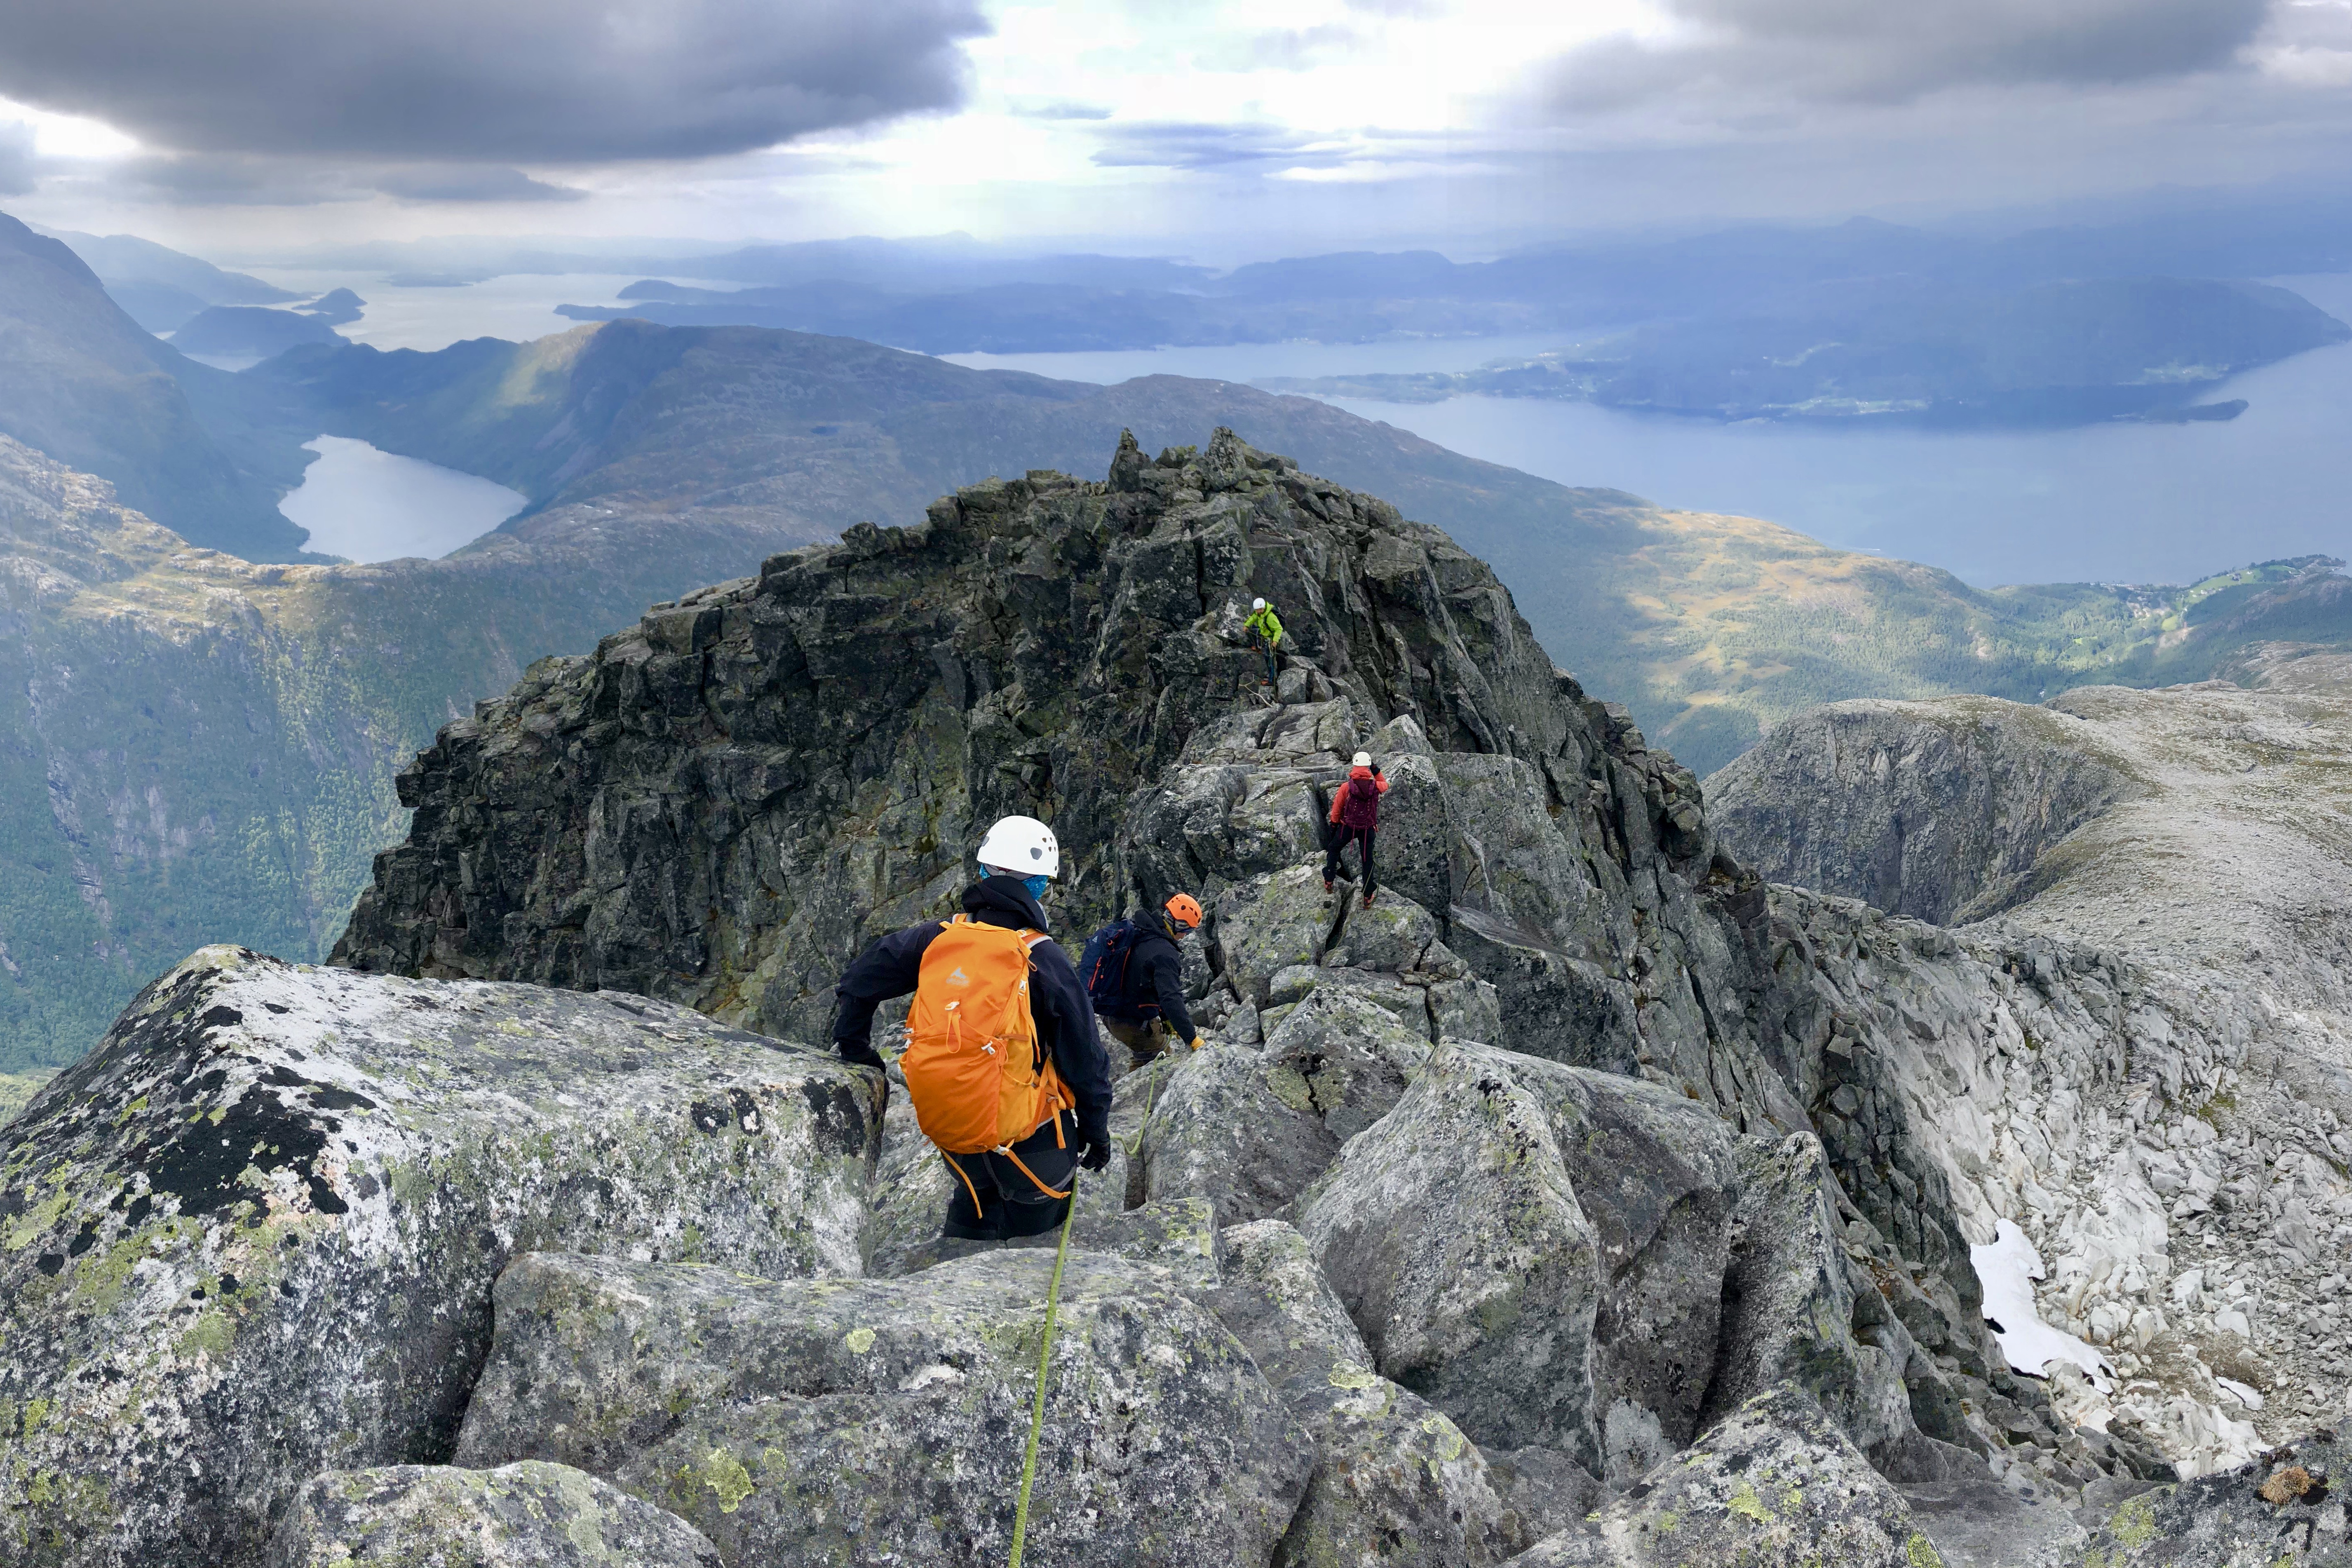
x: 1272, y: 671
x: 1343, y: 836
x: 993, y: 1199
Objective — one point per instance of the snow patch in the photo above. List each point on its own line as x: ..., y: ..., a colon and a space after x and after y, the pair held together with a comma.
x: 2006, y: 1270
x: 2251, y: 1398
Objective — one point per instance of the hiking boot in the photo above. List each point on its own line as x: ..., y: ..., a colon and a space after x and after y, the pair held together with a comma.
x: 1329, y: 888
x: 1367, y: 901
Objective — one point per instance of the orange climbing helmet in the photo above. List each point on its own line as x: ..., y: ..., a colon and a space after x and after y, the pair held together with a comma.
x: 1185, y: 910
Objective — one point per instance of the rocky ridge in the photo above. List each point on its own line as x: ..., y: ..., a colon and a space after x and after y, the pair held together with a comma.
x: 1494, y: 1223
x: 2139, y: 1061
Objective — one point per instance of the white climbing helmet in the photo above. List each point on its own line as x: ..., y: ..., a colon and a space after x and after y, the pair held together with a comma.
x: 1363, y: 760
x: 1257, y: 604
x: 1020, y: 847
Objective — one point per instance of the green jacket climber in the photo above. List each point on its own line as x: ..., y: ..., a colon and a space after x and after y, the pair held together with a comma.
x: 1265, y: 627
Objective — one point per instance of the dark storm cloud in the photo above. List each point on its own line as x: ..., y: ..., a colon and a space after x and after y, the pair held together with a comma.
x: 493, y: 80
x: 16, y: 176
x: 203, y: 179
x: 1874, y: 51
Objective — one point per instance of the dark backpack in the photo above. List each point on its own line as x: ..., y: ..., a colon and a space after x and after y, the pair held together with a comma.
x: 1102, y: 966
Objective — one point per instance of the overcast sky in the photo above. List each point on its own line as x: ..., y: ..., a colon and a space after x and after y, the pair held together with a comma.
x: 1216, y: 130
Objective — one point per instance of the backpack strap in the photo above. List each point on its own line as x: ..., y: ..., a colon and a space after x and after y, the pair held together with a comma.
x: 977, y: 1206
x: 1025, y: 1170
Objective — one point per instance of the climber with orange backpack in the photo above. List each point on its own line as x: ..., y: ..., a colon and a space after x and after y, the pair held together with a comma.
x: 1004, y: 1069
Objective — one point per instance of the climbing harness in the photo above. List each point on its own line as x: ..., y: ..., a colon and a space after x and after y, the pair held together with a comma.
x: 1044, y: 1356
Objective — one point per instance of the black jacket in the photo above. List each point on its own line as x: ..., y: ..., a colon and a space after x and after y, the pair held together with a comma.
x: 1066, y: 1022
x: 1155, y: 979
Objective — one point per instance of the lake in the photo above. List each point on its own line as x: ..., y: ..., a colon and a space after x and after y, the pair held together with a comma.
x: 2149, y: 503
x: 366, y: 505
x: 517, y: 306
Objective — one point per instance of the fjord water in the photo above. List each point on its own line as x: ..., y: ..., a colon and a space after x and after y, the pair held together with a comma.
x: 367, y: 505
x: 2133, y: 504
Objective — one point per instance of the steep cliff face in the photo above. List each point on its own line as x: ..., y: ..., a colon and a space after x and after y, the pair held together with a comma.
x: 722, y: 806
x: 1937, y: 811
x: 2138, y: 1064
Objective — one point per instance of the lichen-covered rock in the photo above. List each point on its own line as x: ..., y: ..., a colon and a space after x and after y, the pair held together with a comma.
x: 253, y: 1235
x: 1391, y: 932
x: 1776, y: 1485
x: 1395, y: 1482
x: 1250, y: 1129
x: 1271, y: 922
x: 1277, y: 1302
x: 1543, y: 1491
x: 1793, y: 1304
x: 527, y: 1515
x: 1453, y: 1235
x: 841, y: 1420
x: 1222, y: 1128
x: 1343, y: 1059
x: 1567, y: 1259
x: 2289, y: 1506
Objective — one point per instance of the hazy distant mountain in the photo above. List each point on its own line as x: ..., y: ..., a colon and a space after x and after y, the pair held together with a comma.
x: 2055, y: 326
x: 2057, y: 353
x: 160, y: 288
x: 337, y: 307
x: 82, y: 382
x: 252, y: 331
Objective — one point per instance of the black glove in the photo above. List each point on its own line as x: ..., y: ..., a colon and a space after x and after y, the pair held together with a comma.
x: 1095, y: 1135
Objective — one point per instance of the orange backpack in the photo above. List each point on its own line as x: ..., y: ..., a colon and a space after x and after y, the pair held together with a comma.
x: 977, y: 1075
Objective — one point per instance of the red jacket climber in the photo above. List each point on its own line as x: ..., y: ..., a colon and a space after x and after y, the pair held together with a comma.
x: 1356, y: 816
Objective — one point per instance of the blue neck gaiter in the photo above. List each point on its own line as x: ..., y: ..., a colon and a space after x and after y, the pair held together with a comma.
x: 1037, y: 885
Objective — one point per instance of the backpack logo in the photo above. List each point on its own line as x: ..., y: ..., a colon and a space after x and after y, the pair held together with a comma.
x: 959, y: 977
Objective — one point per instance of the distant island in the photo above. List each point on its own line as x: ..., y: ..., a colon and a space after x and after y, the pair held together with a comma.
x: 2079, y: 353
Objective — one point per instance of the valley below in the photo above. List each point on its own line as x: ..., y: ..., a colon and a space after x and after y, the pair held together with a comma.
x: 1844, y: 1064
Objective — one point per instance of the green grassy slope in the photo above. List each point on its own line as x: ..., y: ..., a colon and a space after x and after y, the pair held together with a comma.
x: 198, y: 748
x: 85, y: 384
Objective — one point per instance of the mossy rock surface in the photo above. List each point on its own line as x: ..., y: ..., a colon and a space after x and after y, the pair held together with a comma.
x: 1775, y: 1485
x: 527, y: 1515
x: 252, y: 1237
x: 841, y: 1420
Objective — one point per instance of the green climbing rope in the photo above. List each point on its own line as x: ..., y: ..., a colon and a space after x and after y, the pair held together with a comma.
x: 1045, y: 1354
x: 1150, y: 1089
